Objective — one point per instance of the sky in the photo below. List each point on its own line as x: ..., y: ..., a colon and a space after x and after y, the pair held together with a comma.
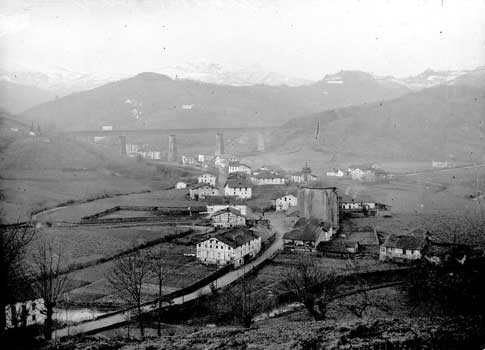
x: 305, y: 39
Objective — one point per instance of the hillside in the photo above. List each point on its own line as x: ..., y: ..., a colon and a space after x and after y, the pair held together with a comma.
x: 38, y: 172
x: 151, y: 100
x: 439, y: 122
x: 17, y: 98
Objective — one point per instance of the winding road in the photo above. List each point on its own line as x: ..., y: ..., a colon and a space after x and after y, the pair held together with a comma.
x: 102, y: 323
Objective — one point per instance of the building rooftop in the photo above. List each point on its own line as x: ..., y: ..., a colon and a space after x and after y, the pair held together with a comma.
x: 236, y: 237
x: 404, y: 242
x: 228, y: 210
x: 307, y: 230
x: 336, y: 246
x: 363, y: 198
x: 268, y: 175
x: 236, y: 183
x: 218, y: 200
x: 364, y: 237
x: 201, y: 185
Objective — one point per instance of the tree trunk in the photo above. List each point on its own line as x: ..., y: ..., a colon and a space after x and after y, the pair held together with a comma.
x: 48, y: 323
x: 140, y: 321
x: 159, y: 325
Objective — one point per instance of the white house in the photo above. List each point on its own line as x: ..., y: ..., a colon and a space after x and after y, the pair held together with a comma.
x: 228, y: 217
x: 238, y: 187
x: 202, y: 191
x: 300, y: 178
x: 402, y: 247
x: 335, y: 173
x: 233, y: 246
x: 180, y: 185
x: 286, y: 202
x: 356, y: 173
x: 268, y: 178
x: 188, y: 160
x: 25, y: 313
x: 207, y: 179
x: 238, y: 167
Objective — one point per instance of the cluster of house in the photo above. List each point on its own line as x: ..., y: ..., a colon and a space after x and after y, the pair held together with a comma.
x: 241, y: 179
x: 363, y: 172
x: 134, y: 150
x: 364, y: 205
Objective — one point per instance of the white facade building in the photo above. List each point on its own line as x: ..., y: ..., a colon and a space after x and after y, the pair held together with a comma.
x: 233, y: 246
x: 207, y: 179
x: 26, y: 313
x: 267, y: 178
x: 180, y: 185
x: 228, y: 217
x: 239, y: 188
x: 286, y: 202
x: 237, y: 167
x: 335, y: 173
x: 202, y: 191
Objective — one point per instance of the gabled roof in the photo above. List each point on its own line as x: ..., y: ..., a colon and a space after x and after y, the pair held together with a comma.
x: 233, y: 183
x: 236, y: 237
x: 364, y: 237
x: 336, y: 246
x: 363, y: 198
x: 223, y: 200
x: 200, y: 185
x: 404, y: 242
x: 268, y: 175
x: 235, y: 163
x: 228, y: 210
x: 304, y: 233
x: 307, y: 230
x: 365, y: 166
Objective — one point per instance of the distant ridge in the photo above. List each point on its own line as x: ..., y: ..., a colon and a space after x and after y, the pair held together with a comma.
x: 152, y: 100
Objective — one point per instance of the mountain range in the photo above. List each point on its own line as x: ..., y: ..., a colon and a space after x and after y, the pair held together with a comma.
x: 151, y: 100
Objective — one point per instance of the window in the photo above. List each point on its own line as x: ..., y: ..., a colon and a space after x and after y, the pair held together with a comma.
x: 33, y: 317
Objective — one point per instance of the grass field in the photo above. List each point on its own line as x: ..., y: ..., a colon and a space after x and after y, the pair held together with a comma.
x: 74, y: 213
x: 81, y: 244
x: 91, y: 287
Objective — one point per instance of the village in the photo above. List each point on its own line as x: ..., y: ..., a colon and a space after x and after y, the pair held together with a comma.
x: 228, y: 220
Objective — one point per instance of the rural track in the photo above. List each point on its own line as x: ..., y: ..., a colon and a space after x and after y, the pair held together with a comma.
x: 119, y: 318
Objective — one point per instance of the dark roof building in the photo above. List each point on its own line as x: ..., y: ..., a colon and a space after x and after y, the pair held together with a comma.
x: 236, y: 237
x: 238, y: 183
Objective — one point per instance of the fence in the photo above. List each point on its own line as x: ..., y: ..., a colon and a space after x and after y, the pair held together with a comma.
x: 173, y: 211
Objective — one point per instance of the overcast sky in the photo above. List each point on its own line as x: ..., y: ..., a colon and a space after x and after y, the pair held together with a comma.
x: 305, y: 39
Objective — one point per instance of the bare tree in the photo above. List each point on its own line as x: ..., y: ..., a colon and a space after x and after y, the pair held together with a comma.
x: 49, y: 282
x: 312, y: 286
x: 158, y: 270
x: 359, y: 302
x: 128, y: 276
x: 13, y: 243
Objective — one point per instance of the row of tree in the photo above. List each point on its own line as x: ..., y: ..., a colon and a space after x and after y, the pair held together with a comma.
x: 38, y: 276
